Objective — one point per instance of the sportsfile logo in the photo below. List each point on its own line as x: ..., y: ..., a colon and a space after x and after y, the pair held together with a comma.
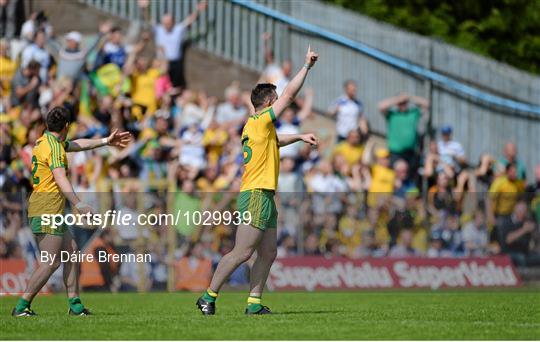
x: 124, y: 219
x: 339, y: 274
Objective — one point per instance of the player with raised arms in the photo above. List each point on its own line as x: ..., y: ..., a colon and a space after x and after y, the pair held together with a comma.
x: 259, y: 181
x: 51, y: 188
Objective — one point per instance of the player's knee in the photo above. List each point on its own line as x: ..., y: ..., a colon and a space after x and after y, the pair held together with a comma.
x: 243, y: 255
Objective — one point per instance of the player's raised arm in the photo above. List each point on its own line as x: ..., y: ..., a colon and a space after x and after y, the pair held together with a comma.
x: 295, y: 84
x: 117, y: 139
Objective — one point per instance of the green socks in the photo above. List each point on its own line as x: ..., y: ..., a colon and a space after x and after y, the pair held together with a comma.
x: 254, y: 303
x: 76, y: 305
x: 210, y: 296
x: 22, y: 304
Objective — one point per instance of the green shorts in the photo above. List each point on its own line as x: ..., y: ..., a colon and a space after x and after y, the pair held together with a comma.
x: 39, y: 228
x: 261, y: 206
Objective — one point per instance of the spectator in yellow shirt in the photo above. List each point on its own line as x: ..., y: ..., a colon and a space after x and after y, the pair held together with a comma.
x: 381, y: 185
x: 503, y: 195
x: 352, y: 148
x: 7, y: 67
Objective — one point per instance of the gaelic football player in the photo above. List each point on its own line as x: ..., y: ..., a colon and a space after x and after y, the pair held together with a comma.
x: 51, y: 189
x: 259, y: 182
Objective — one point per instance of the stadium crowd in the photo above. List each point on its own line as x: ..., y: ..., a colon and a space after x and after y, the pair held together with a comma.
x: 352, y: 197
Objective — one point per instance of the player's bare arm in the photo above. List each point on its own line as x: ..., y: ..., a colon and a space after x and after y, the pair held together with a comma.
x: 116, y: 139
x: 292, y: 89
x: 60, y: 177
x: 287, y: 139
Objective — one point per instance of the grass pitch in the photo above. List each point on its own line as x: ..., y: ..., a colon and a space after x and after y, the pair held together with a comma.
x: 493, y: 315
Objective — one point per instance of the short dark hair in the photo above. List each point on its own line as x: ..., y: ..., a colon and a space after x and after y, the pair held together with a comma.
x: 33, y: 65
x: 509, y: 166
x: 57, y: 118
x: 261, y: 93
x: 116, y: 29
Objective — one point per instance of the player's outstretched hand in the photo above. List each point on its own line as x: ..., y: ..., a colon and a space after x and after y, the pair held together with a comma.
x: 311, y: 57
x: 310, y: 138
x: 118, y: 139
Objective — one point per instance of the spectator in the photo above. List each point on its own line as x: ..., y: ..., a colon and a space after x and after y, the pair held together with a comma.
x: 8, y: 67
x: 510, y: 156
x: 515, y: 236
x: 402, y: 115
x: 71, y: 57
x: 448, y: 230
x: 381, y: 185
x: 113, y: 51
x: 37, y: 52
x: 25, y: 85
x: 451, y: 152
x: 349, y: 112
x: 475, y: 235
x: 503, y: 196
x: 274, y: 73
x: 232, y: 112
x: 352, y: 148
x: 403, y: 183
x: 193, y: 270
x: 404, y: 247
x: 100, y: 276
x: 169, y: 38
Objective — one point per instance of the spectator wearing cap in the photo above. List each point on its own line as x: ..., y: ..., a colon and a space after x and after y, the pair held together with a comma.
x: 71, y: 57
x: 381, y: 184
x: 349, y: 112
x: 510, y: 155
x: 37, y: 52
x: 451, y: 152
x: 403, y: 113
x: 25, y: 85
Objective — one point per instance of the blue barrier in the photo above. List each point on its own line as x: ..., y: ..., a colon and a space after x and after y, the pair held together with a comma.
x: 415, y: 69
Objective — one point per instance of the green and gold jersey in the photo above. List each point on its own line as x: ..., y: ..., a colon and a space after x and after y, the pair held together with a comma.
x: 48, y: 153
x: 261, y: 152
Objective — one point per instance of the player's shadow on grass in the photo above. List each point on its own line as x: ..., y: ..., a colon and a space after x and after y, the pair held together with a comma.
x: 303, y: 312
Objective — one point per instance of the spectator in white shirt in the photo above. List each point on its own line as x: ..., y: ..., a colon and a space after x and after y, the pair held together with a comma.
x: 475, y: 235
x: 232, y: 112
x: 349, y: 112
x: 37, y: 52
x: 450, y: 151
x: 169, y: 38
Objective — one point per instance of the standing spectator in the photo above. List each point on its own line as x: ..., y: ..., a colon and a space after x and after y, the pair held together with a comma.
x: 71, y: 57
x: 11, y: 14
x: 169, y: 38
x: 451, y: 151
x: 113, y: 51
x: 382, y: 182
x: 349, y: 112
x: 475, y: 235
x: 37, y: 52
x: 8, y: 67
x: 25, y: 85
x: 274, y: 73
x: 402, y: 115
x: 510, y: 156
x: 503, y: 196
